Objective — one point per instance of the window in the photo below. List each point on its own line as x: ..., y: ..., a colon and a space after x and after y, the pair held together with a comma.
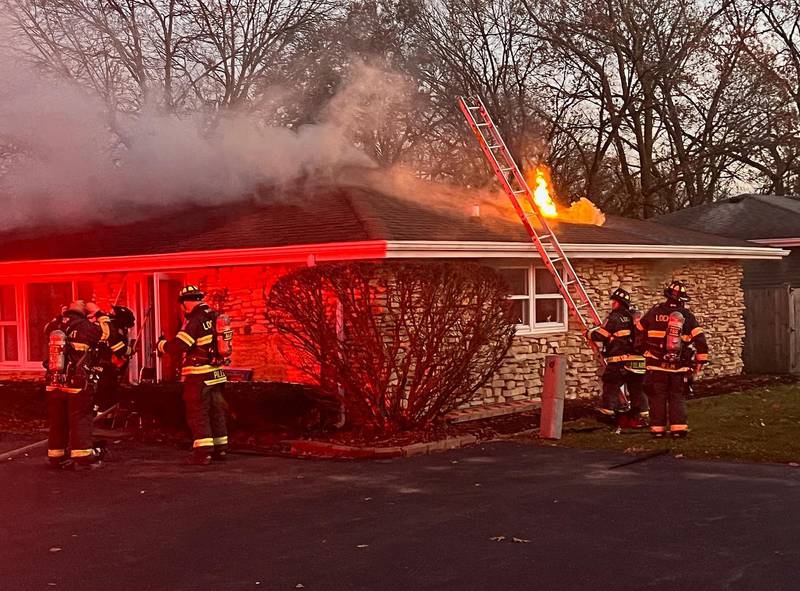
x: 25, y: 309
x: 9, y: 333
x: 44, y: 301
x: 537, y: 304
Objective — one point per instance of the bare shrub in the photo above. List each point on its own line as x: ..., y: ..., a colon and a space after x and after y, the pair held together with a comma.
x: 403, y: 343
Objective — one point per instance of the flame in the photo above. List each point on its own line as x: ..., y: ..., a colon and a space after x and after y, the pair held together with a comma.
x: 582, y: 211
x: 541, y: 194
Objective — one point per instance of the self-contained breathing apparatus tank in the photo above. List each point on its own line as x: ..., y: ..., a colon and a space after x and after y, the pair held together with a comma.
x: 56, y: 358
x: 223, y: 333
x: 673, y: 341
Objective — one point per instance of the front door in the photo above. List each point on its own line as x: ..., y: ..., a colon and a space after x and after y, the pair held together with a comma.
x: 168, y: 319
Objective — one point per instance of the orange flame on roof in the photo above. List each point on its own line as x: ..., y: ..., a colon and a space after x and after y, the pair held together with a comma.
x: 541, y: 193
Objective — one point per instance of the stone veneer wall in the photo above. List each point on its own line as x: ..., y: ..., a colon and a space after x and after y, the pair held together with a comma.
x: 717, y: 301
x: 715, y: 287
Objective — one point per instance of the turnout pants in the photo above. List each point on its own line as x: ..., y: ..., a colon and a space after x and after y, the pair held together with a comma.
x: 205, y: 413
x: 666, y: 392
x: 70, y: 421
x: 614, y: 377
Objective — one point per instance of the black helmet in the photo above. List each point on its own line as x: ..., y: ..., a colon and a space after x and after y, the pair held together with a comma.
x: 123, y: 317
x: 191, y: 293
x: 677, y: 291
x: 621, y: 296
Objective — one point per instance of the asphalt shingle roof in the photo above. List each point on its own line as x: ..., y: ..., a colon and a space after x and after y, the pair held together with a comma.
x: 315, y: 215
x: 746, y: 217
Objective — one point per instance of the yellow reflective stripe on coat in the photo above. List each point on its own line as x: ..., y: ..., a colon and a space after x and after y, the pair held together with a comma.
x: 602, y: 331
x: 216, y: 381
x: 80, y: 346
x: 696, y: 332
x: 701, y: 357
x: 160, y: 346
x: 204, y: 442
x: 118, y: 346
x: 191, y: 370
x: 63, y: 389
x: 56, y: 453
x: 105, y: 328
x: 657, y: 429
x: 657, y: 368
x: 622, y: 333
x: 185, y: 337
x: 656, y: 333
x: 677, y: 428
x: 221, y: 440
x: 205, y: 340
x: 629, y: 357
x: 81, y: 453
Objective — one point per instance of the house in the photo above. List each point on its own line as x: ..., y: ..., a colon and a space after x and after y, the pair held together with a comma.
x: 772, y: 298
x: 236, y: 251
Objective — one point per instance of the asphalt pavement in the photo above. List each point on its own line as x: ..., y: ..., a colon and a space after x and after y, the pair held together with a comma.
x: 502, y: 516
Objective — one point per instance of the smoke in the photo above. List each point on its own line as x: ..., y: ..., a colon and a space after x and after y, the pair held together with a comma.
x: 65, y: 158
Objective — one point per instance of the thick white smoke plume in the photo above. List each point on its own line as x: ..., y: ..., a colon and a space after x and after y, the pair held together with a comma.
x: 62, y: 159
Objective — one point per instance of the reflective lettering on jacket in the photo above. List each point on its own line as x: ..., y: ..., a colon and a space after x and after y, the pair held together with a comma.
x: 653, y: 328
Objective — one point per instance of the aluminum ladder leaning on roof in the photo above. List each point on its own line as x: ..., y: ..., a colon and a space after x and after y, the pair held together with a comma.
x: 542, y: 236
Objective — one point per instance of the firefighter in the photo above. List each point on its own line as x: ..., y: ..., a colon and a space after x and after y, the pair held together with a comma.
x: 112, y: 361
x: 624, y: 366
x: 667, y: 331
x: 203, y: 376
x: 70, y: 382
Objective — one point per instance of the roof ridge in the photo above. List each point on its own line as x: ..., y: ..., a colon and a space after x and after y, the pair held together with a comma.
x: 772, y: 202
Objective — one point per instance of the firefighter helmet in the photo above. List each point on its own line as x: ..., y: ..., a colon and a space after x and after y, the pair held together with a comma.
x: 77, y: 306
x: 191, y: 293
x: 123, y: 317
x: 621, y: 296
x: 677, y: 291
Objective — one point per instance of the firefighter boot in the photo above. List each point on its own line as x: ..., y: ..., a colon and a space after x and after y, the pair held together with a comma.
x: 199, y: 457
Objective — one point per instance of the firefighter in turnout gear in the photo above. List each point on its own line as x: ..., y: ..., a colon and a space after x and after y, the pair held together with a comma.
x: 70, y: 381
x: 112, y: 360
x: 667, y: 331
x: 624, y: 366
x: 198, y: 343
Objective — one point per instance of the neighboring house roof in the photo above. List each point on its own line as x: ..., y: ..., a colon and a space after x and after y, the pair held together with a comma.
x: 351, y: 215
x: 746, y: 217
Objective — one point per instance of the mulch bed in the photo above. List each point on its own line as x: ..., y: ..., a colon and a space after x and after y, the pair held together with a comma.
x: 262, y: 415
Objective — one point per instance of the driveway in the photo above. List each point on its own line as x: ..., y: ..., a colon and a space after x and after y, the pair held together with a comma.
x: 445, y: 521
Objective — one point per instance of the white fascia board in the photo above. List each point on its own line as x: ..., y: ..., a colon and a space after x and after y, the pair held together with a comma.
x: 433, y: 249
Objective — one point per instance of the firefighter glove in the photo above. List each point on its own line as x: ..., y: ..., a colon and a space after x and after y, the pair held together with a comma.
x: 160, y: 345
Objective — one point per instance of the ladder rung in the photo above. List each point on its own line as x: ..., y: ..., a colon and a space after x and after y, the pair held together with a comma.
x: 494, y: 146
x: 482, y: 125
x: 473, y: 108
x: 505, y: 170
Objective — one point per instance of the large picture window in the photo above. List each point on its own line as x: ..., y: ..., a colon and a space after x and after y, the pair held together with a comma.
x: 9, y: 324
x: 537, y: 304
x: 44, y: 301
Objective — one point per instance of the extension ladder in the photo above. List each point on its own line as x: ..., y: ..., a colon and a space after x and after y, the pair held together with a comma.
x: 543, y: 237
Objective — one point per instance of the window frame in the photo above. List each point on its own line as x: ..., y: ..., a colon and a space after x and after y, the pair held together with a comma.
x: 22, y: 307
x: 537, y: 328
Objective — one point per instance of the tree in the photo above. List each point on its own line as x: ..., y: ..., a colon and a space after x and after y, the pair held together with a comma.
x: 406, y: 343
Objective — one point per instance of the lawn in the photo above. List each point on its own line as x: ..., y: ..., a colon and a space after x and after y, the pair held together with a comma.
x: 761, y: 425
